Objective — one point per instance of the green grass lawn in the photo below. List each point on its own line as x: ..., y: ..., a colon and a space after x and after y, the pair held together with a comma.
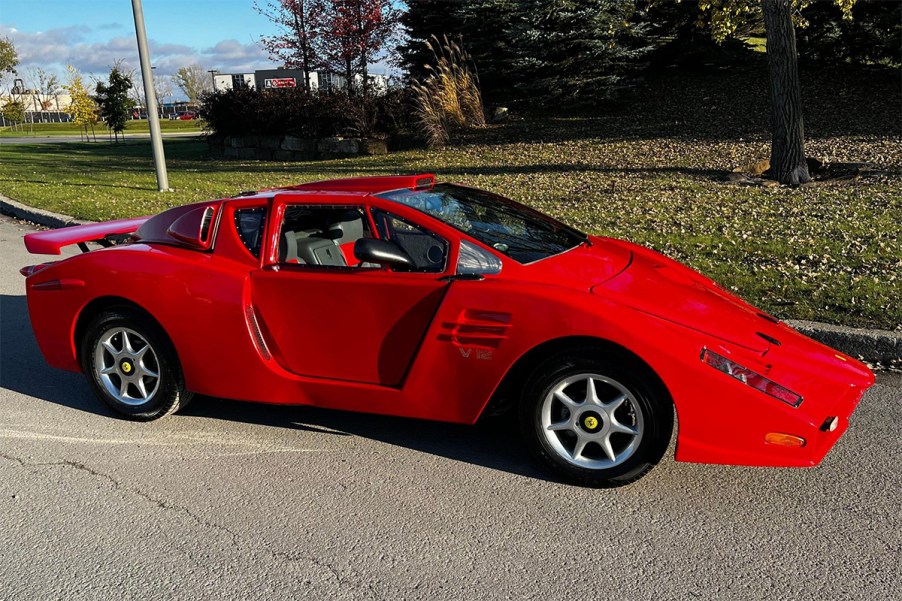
x: 68, y: 129
x: 828, y: 252
x: 650, y: 170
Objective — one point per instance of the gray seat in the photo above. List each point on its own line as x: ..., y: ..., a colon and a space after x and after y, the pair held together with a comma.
x: 319, y: 251
x: 348, y: 229
x: 288, y: 247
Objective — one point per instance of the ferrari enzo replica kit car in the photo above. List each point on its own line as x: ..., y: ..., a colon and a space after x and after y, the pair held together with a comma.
x: 407, y: 297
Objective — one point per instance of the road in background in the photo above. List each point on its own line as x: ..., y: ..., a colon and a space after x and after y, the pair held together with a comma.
x: 104, y: 138
x: 235, y: 500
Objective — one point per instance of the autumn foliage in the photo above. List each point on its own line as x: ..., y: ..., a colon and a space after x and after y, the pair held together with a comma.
x: 341, y: 35
x: 82, y: 108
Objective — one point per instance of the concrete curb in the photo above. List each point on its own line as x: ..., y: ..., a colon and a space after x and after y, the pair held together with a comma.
x: 874, y: 346
x: 10, y: 207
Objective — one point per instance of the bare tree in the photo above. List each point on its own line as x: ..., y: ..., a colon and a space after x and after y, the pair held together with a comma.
x: 162, y: 89
x: 45, y: 86
x: 194, y: 81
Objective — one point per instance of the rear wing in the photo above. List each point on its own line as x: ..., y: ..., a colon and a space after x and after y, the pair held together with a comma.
x: 106, y: 233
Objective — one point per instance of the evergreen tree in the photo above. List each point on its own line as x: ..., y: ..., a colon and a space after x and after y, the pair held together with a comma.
x: 422, y: 20
x: 485, y: 27
x: 540, y: 50
x: 112, y: 98
x: 575, y: 51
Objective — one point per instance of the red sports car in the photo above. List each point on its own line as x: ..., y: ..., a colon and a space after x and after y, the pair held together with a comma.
x: 403, y: 296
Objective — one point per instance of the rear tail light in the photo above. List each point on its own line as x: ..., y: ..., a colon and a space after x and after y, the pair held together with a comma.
x: 753, y: 379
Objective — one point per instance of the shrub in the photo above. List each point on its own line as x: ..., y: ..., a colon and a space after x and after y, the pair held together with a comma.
x: 448, y: 99
x: 305, y: 114
x: 14, y: 110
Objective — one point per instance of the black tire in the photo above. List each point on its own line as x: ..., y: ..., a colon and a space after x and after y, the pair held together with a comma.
x: 162, y: 395
x: 647, y: 409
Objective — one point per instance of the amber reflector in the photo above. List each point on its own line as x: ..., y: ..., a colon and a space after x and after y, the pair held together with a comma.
x: 784, y: 440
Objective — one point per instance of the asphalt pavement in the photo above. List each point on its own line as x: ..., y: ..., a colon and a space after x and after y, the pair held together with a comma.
x: 232, y: 500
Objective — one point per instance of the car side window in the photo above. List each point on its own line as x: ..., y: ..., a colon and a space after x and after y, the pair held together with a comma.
x: 322, y: 235
x: 250, y: 224
x: 428, y: 251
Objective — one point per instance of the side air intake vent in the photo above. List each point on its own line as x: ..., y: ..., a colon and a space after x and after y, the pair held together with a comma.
x: 206, y: 224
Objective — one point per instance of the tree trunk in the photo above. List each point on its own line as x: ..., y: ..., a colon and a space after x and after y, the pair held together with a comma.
x: 300, y: 30
x: 364, y: 74
x: 306, y: 72
x: 349, y: 75
x: 787, y: 159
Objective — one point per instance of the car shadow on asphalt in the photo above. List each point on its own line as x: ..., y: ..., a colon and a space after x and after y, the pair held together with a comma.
x: 24, y: 370
x: 493, y: 443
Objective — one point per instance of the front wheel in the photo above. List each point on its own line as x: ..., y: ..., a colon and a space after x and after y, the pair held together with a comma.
x: 596, y: 421
x: 131, y: 365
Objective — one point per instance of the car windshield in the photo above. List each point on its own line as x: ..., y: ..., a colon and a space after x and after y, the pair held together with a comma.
x: 512, y: 229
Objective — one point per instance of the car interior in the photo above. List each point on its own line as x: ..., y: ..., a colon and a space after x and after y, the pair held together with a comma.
x: 326, y: 236
x: 321, y: 236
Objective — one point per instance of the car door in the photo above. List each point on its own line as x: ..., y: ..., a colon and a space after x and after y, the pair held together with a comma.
x: 326, y: 317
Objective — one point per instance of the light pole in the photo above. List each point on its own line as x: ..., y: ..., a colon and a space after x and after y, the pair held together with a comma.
x: 150, y: 97
x: 213, y: 73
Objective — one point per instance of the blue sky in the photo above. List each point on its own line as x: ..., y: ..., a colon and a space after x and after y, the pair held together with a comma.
x: 92, y: 34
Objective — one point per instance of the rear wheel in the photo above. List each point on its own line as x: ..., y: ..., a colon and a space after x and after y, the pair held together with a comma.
x: 596, y: 421
x: 131, y: 365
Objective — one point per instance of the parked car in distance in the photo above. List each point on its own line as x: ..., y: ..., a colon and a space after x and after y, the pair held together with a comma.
x: 407, y: 297
x: 187, y: 115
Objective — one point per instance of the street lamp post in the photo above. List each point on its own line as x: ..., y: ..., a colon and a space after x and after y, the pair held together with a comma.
x: 150, y: 98
x: 213, y: 73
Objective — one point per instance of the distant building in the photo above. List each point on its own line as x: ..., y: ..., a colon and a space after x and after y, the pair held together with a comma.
x: 39, y: 108
x: 269, y: 79
x: 223, y: 82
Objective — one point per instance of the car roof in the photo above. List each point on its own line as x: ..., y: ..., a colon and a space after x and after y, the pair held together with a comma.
x: 366, y: 185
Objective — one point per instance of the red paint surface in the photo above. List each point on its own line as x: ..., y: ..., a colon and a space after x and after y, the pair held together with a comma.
x: 419, y: 345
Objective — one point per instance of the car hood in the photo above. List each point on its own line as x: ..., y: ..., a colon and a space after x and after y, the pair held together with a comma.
x: 660, y: 286
x: 585, y: 266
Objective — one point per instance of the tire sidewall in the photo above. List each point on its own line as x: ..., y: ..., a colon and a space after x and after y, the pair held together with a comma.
x: 167, y: 394
x: 656, y: 409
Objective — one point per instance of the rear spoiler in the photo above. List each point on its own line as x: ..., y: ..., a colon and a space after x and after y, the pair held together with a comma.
x: 106, y: 233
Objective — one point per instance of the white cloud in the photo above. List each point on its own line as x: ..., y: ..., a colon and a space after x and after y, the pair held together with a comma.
x: 55, y: 48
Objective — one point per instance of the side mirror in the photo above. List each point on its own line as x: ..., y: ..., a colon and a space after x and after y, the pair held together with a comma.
x: 383, y: 252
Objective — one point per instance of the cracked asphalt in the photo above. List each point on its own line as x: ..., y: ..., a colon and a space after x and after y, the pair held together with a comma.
x: 232, y: 500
